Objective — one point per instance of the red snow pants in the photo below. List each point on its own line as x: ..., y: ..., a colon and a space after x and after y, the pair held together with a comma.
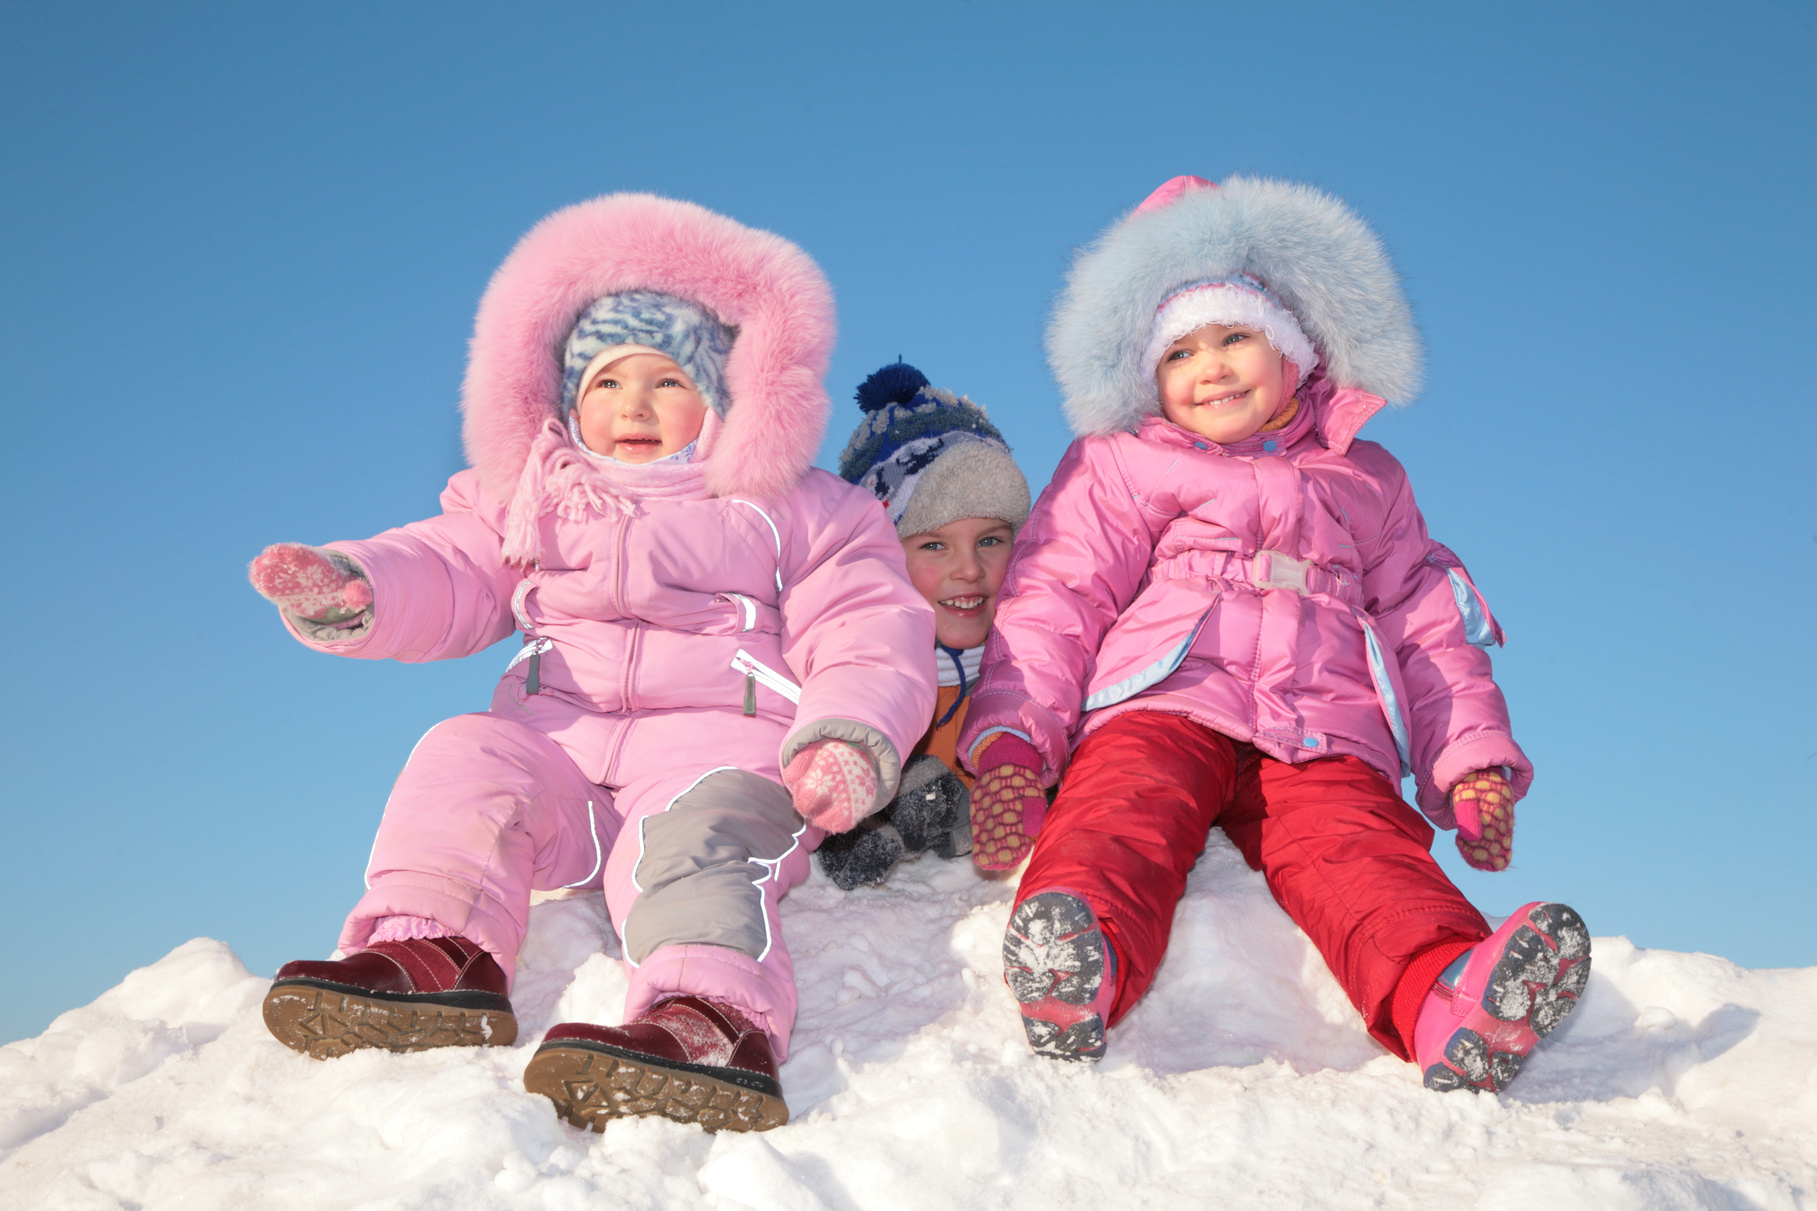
x: 1349, y: 861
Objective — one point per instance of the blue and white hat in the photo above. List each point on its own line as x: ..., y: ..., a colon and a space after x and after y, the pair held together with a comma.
x: 930, y: 456
x: 693, y: 337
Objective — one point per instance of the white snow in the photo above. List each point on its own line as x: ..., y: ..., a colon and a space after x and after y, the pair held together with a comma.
x: 1244, y: 1080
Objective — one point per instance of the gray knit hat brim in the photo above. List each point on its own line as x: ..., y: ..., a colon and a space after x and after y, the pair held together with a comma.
x: 976, y: 479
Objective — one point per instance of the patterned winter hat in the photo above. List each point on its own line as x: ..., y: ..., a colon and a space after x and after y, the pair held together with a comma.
x: 931, y: 457
x: 687, y: 332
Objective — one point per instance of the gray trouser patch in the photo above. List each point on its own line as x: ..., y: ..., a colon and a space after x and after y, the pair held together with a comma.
x: 700, y: 866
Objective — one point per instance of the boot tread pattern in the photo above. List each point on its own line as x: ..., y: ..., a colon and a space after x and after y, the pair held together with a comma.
x: 590, y: 1088
x: 1054, y: 951
x: 1543, y: 969
x: 323, y: 1024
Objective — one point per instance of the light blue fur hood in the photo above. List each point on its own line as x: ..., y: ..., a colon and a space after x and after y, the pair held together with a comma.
x: 1317, y: 256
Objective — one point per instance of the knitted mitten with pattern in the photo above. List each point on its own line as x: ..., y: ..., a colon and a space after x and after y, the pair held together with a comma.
x: 1484, y: 803
x: 834, y: 784
x: 312, y: 584
x: 1008, y: 803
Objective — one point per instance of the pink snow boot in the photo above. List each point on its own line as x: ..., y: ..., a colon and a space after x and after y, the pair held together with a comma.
x: 688, y: 1059
x: 1062, y: 971
x: 1500, y: 998
x: 322, y: 586
x: 401, y: 996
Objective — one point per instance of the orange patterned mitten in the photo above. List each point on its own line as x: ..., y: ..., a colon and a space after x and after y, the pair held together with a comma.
x: 1008, y: 803
x: 1484, y: 803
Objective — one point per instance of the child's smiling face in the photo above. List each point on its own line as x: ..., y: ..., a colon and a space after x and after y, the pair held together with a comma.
x: 640, y: 408
x: 1222, y: 383
x: 959, y: 569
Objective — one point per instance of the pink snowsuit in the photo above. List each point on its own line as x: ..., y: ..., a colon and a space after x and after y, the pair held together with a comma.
x: 671, y: 614
x: 1289, y: 598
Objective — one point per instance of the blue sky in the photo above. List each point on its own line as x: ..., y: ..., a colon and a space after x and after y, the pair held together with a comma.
x: 241, y: 245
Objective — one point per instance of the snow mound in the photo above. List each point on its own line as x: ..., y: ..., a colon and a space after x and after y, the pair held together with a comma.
x: 1243, y: 1080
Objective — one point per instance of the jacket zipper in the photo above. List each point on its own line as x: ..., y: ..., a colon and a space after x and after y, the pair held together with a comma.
x: 757, y: 672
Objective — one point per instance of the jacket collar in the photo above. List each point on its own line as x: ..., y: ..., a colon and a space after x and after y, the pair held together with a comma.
x: 1335, y: 414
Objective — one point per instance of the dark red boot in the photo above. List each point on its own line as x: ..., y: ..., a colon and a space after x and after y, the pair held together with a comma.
x: 689, y: 1059
x: 402, y: 996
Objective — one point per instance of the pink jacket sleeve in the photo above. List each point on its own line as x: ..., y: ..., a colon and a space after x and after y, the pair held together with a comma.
x: 1077, y: 565
x: 855, y: 631
x: 440, y: 587
x: 1438, y: 628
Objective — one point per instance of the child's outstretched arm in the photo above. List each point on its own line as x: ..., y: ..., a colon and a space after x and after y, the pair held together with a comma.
x: 1467, y: 766
x: 431, y: 590
x: 861, y: 639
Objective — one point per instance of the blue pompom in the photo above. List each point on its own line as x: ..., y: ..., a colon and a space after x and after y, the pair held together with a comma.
x: 896, y: 383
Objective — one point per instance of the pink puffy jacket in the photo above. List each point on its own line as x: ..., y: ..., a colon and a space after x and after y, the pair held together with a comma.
x: 637, y: 588
x: 1282, y: 591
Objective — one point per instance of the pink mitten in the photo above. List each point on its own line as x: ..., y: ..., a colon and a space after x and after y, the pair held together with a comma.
x: 1484, y: 803
x: 1008, y: 804
x: 834, y: 783
x: 311, y: 583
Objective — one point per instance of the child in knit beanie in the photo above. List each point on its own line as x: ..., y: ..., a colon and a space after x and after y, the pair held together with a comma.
x: 950, y: 486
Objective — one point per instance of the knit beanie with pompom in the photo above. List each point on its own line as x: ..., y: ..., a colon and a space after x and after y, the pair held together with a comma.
x: 931, y: 457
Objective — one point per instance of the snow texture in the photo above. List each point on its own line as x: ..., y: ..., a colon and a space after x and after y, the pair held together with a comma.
x: 1244, y: 1080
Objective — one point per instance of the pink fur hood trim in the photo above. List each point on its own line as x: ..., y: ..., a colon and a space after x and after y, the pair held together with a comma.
x: 760, y: 283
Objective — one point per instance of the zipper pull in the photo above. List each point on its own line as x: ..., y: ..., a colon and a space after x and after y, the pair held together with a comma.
x: 750, y: 694
x: 533, y: 684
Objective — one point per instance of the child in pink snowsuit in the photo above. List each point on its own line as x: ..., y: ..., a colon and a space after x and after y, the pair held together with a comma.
x: 1225, y: 611
x: 710, y: 673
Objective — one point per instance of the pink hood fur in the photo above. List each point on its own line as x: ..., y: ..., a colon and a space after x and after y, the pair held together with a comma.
x: 759, y: 283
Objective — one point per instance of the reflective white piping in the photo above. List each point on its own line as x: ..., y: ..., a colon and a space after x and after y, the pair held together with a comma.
x: 774, y: 531
x: 1160, y: 670
x: 536, y: 648
x: 599, y: 856
x: 624, y: 942
x: 775, y: 868
x: 1391, y: 707
x: 766, y: 676
x: 517, y: 606
x: 1477, y: 628
x: 366, y: 877
x: 748, y: 607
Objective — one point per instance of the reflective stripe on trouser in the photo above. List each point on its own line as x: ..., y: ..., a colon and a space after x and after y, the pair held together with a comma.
x: 485, y: 810
x: 488, y: 808
x: 1348, y: 860
x: 695, y: 885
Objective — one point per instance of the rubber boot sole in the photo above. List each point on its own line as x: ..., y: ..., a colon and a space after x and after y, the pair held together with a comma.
x: 324, y: 1020
x: 592, y: 1084
x: 1542, y: 971
x: 1054, y: 963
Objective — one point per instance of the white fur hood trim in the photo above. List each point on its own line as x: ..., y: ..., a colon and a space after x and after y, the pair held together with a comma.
x: 1318, y: 258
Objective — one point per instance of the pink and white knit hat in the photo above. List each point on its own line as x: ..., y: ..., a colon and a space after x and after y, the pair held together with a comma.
x: 1239, y: 301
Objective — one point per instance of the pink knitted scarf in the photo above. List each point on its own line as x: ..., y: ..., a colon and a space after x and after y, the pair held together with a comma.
x: 560, y: 479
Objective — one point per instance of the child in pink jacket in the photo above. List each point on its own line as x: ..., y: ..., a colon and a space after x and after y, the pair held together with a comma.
x: 1225, y: 610
x: 710, y: 671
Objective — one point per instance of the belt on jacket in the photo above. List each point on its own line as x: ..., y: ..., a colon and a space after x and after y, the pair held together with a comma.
x: 1279, y: 570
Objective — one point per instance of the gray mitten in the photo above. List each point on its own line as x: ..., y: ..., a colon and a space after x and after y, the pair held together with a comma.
x: 933, y: 809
